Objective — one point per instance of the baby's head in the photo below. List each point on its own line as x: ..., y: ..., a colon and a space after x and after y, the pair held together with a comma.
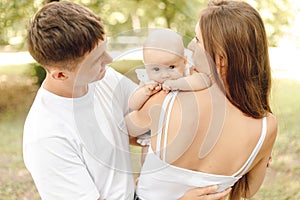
x: 163, y: 55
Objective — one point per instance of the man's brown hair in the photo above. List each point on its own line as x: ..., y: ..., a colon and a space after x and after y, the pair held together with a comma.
x: 61, y: 33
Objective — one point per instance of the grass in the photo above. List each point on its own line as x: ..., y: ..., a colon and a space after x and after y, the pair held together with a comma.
x: 282, y: 181
x: 17, y: 93
x: 15, y: 181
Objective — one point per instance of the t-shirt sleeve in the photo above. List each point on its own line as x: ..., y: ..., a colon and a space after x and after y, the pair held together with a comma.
x: 58, y: 170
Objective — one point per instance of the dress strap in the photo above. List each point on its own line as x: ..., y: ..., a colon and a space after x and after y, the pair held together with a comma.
x: 166, y: 131
x: 254, y: 153
x: 170, y: 97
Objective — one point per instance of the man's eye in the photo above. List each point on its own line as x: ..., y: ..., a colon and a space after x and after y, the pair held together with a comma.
x: 171, y: 66
x: 156, y: 69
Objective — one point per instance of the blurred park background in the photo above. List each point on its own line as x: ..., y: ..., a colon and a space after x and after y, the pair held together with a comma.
x: 20, y: 77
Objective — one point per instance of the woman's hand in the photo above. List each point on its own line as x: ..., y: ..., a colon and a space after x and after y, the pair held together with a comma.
x: 205, y: 193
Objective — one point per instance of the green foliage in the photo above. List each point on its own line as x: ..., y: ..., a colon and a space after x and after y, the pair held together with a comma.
x: 39, y: 73
x: 120, y: 16
x: 277, y: 16
x: 15, y: 70
x: 14, y: 15
x: 14, y: 95
x: 282, y: 180
x: 127, y: 68
x: 287, y: 108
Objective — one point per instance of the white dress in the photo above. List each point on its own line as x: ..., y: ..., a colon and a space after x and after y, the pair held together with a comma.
x: 161, y: 181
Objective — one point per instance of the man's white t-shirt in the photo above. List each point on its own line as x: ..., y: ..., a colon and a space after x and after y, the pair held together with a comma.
x: 77, y: 148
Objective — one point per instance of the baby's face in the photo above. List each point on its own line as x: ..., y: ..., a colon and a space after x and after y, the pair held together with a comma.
x: 161, y: 65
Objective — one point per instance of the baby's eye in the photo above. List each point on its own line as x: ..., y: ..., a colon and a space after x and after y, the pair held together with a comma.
x: 156, y: 69
x: 171, y: 66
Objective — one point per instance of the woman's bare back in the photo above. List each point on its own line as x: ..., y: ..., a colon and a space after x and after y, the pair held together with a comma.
x: 189, y: 125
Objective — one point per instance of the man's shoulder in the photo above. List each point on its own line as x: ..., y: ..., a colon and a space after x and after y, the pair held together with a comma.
x: 38, y: 125
x: 43, y: 121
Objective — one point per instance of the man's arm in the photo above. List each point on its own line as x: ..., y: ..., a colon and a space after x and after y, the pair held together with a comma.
x: 205, y: 193
x: 58, y: 171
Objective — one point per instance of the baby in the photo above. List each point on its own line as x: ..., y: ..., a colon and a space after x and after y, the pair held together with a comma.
x: 165, y: 69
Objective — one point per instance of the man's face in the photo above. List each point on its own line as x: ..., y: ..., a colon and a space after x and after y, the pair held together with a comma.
x: 162, y: 65
x: 93, y: 66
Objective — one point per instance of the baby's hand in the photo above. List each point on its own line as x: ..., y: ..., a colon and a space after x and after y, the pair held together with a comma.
x: 151, y: 88
x: 169, y: 85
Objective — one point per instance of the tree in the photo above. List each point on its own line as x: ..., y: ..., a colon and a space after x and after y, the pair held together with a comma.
x: 13, y: 19
x: 120, y: 15
x: 277, y: 16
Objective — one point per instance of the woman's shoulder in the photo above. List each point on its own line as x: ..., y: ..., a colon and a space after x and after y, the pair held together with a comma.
x: 272, y: 126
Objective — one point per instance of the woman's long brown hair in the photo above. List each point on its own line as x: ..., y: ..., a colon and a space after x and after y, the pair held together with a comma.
x: 234, y: 32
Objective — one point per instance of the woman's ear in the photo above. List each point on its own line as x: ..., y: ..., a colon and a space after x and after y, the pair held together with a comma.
x: 220, y: 61
x: 221, y: 64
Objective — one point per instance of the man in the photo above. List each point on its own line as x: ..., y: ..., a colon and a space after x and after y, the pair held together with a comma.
x: 75, y: 140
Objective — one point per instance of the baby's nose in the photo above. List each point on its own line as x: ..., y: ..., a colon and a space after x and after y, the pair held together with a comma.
x: 165, y: 75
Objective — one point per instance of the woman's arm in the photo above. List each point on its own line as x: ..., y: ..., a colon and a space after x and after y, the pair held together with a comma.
x: 257, y: 174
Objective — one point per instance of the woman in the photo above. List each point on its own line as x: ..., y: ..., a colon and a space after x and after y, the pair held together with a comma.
x: 223, y: 135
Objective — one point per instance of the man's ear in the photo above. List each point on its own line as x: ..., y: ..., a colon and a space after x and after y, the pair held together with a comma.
x: 59, y: 74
